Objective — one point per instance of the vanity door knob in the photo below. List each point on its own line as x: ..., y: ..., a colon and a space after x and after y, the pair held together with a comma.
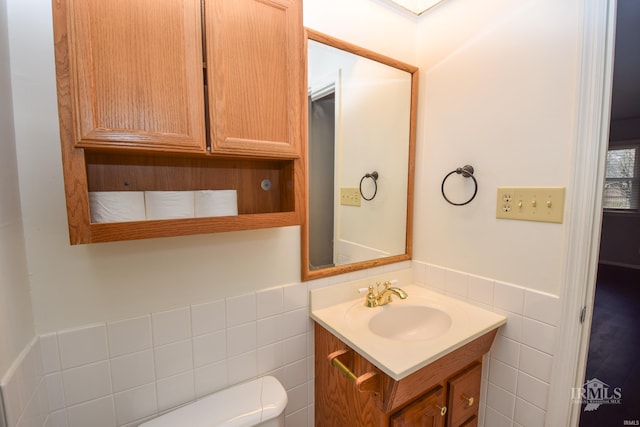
x: 468, y: 399
x: 443, y: 410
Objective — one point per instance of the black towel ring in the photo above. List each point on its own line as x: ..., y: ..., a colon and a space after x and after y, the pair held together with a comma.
x: 374, y: 176
x: 467, y: 172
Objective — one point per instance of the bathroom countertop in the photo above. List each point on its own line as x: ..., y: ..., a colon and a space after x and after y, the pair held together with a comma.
x: 340, y: 309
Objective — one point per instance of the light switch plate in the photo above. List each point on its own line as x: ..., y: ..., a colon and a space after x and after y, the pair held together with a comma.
x: 350, y: 196
x: 545, y: 204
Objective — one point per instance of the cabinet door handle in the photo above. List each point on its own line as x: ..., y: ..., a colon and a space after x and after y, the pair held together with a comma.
x: 469, y: 400
x: 443, y: 410
x: 367, y: 382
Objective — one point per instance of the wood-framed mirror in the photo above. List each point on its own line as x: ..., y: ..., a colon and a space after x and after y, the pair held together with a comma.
x: 360, y: 158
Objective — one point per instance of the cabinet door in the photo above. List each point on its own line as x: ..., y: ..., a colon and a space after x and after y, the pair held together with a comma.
x: 464, y: 397
x: 471, y: 422
x: 427, y: 411
x: 255, y: 69
x: 137, y: 70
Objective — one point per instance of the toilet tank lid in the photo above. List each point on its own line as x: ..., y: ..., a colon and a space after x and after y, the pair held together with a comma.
x: 274, y: 398
x: 243, y: 405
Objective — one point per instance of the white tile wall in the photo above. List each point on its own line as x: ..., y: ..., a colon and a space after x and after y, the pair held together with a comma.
x: 129, y: 336
x: 135, y: 404
x: 50, y: 354
x: 120, y: 373
x: 136, y: 368
x: 86, y: 382
x: 95, y: 413
x: 132, y: 370
x: 208, y: 317
x: 175, y: 390
x: 24, y: 389
x: 209, y: 348
x: 171, y: 326
x: 173, y: 359
x: 517, y: 371
x: 241, y: 309
x: 82, y: 346
x: 123, y: 372
x: 210, y: 378
x: 269, y: 302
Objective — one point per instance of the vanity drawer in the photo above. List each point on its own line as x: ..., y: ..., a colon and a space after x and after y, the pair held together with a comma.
x: 471, y: 422
x: 426, y: 411
x: 463, y: 396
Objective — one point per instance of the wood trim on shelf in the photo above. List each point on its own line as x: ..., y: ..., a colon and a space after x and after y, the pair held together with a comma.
x: 109, y: 232
x: 74, y: 172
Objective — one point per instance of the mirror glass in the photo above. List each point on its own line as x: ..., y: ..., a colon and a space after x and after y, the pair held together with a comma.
x: 361, y: 140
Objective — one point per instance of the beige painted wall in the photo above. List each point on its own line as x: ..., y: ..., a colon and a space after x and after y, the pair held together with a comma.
x: 79, y: 285
x: 372, y: 24
x: 498, y: 91
x: 505, y: 70
x: 16, y: 317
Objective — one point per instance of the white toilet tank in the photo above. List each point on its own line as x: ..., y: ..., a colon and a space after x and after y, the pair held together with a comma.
x: 257, y: 403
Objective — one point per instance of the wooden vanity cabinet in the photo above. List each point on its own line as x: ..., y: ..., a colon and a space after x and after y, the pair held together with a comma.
x: 443, y: 394
x: 181, y: 95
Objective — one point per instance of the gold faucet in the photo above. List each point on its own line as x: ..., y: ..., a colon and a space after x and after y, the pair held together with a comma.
x: 378, y: 298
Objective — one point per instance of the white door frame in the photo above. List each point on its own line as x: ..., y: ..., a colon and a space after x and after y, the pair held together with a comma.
x: 584, y: 213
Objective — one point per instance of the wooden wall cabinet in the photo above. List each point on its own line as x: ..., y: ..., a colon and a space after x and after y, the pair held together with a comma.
x: 181, y: 95
x: 256, y: 67
x: 135, y: 73
x: 443, y: 394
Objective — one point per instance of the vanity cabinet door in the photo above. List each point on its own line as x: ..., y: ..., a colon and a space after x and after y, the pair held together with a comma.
x: 464, y: 396
x: 135, y: 74
x: 427, y: 411
x: 255, y: 81
x: 471, y: 422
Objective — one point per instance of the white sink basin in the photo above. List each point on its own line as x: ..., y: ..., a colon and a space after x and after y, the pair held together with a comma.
x: 413, y: 319
x: 410, y: 322
x: 404, y: 335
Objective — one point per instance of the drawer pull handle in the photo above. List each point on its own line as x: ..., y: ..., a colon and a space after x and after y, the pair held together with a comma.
x: 443, y: 410
x: 468, y: 399
x: 334, y: 359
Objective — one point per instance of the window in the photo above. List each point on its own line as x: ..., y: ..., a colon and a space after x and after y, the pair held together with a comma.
x: 622, y: 183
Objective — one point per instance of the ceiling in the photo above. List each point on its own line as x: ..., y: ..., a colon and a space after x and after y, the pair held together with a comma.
x: 626, y: 73
x: 417, y: 7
